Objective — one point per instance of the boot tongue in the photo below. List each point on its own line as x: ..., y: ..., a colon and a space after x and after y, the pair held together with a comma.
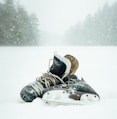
x: 61, y: 66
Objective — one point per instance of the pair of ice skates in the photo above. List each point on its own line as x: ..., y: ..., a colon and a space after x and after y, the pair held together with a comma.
x: 60, y: 84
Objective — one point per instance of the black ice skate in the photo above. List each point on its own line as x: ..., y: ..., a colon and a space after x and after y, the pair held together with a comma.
x: 74, y: 92
x: 59, y: 69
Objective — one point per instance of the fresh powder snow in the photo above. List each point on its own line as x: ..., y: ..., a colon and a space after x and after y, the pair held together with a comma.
x: 21, y: 65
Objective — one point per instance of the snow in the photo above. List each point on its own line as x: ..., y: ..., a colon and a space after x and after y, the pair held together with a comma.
x: 21, y: 65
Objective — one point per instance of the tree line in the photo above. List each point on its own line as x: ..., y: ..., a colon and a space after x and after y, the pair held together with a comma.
x: 97, y: 29
x: 17, y: 27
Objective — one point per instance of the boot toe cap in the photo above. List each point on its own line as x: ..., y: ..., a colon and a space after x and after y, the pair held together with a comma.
x: 28, y: 94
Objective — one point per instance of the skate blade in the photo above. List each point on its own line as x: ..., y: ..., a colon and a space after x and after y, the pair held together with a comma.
x: 64, y: 97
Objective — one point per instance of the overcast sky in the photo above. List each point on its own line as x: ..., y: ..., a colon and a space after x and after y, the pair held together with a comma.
x: 58, y: 15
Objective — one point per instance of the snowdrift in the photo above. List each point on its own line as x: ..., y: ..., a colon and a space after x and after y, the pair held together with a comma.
x: 22, y: 65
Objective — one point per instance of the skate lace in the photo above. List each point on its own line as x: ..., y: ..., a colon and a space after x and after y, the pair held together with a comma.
x: 45, y: 81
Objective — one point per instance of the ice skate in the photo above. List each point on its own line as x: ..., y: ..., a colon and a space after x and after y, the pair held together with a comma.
x: 74, y: 92
x: 60, y: 68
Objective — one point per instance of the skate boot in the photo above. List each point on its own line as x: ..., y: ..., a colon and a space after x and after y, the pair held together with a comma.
x: 59, y: 69
x: 75, y: 92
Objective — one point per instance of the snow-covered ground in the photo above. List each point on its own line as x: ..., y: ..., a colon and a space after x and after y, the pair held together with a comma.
x: 21, y: 65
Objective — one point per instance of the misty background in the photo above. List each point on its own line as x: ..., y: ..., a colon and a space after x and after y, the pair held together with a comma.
x: 58, y: 22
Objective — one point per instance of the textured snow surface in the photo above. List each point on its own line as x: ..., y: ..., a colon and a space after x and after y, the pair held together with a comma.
x: 21, y: 65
